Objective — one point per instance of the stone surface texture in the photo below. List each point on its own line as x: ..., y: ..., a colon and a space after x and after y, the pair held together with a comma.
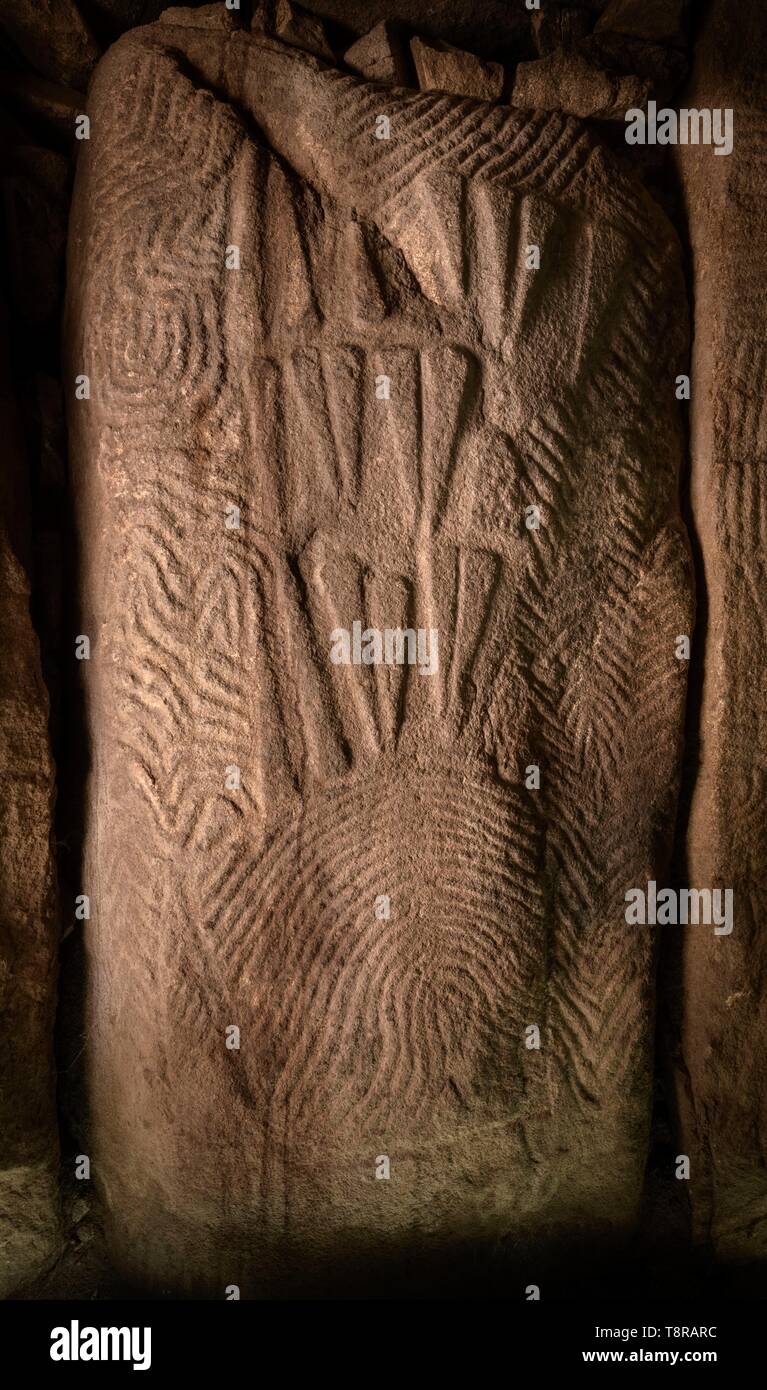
x: 53, y: 37
x: 722, y: 1068
x: 664, y: 66
x: 441, y: 68
x: 657, y: 21
x: 380, y: 56
x: 293, y: 26
x: 215, y: 16
x: 553, y: 28
x: 571, y: 83
x: 253, y: 904
x: 491, y: 28
x: 29, y: 1220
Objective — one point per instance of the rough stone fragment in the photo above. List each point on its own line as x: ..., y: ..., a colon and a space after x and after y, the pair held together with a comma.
x: 29, y: 1223
x: 553, y: 28
x: 569, y: 82
x: 53, y: 38
x: 722, y: 1060
x: 657, y: 21
x: 349, y: 863
x: 215, y: 16
x: 295, y: 27
x: 441, y: 68
x: 492, y: 28
x: 664, y: 67
x: 380, y: 56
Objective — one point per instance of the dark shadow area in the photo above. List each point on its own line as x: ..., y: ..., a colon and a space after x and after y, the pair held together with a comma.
x: 569, y: 1269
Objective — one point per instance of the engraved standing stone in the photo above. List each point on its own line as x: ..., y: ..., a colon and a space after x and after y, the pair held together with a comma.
x: 363, y: 260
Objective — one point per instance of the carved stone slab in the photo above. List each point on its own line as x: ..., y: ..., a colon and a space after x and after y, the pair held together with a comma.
x: 386, y: 415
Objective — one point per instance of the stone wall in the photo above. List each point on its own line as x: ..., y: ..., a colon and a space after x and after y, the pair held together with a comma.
x: 722, y: 1026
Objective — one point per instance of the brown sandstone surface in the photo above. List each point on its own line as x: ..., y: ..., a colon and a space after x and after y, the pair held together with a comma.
x: 569, y: 82
x: 442, y: 68
x: 722, y: 1071
x: 380, y: 56
x: 250, y: 802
